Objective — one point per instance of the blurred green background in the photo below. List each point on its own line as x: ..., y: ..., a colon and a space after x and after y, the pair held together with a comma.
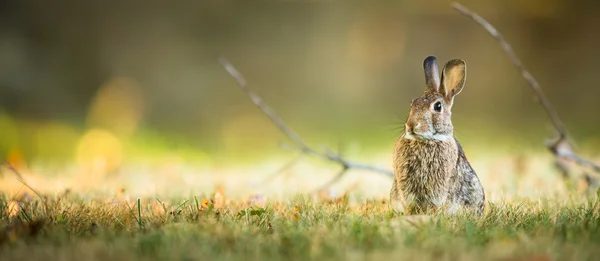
x: 138, y: 78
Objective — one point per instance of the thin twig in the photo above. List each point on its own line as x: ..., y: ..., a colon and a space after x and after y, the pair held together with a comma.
x: 21, y: 179
x: 558, y: 125
x: 14, y: 171
x: 561, y: 148
x: 582, y: 162
x: 258, y: 101
x: 298, y: 142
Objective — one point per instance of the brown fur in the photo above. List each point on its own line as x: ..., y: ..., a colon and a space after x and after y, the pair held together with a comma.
x: 431, y: 169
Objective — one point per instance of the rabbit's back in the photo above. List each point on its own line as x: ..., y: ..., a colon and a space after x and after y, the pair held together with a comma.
x: 466, y: 189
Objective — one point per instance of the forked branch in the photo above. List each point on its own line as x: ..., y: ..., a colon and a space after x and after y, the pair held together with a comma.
x: 298, y: 143
x: 561, y: 148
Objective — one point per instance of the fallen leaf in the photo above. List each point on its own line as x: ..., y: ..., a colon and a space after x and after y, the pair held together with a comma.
x: 206, y: 203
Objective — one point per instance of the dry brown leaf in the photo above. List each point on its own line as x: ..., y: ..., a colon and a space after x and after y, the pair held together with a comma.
x: 206, y: 203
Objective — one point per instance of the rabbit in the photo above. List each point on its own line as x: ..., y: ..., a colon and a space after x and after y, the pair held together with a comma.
x: 431, y: 171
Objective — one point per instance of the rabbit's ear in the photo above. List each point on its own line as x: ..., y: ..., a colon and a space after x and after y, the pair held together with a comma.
x: 432, y: 75
x: 453, y: 79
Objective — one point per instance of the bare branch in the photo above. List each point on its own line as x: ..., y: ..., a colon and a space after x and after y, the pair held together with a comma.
x: 561, y: 148
x: 300, y: 145
x: 581, y: 161
x: 558, y: 125
x: 258, y: 101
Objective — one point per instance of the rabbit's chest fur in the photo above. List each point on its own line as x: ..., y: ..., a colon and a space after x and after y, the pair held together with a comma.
x: 425, y: 173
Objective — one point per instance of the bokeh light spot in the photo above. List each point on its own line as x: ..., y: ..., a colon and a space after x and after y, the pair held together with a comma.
x: 99, y: 152
x: 118, y: 106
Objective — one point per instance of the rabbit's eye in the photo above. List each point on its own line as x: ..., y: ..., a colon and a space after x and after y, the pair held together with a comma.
x: 437, y: 106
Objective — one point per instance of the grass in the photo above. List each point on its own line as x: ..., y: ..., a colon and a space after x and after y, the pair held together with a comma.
x: 531, y: 216
x: 69, y: 227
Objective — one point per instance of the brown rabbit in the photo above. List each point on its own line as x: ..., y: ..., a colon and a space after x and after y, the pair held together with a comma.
x: 431, y: 171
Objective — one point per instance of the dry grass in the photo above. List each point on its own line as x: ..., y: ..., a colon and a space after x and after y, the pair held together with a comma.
x: 172, y: 211
x: 70, y: 227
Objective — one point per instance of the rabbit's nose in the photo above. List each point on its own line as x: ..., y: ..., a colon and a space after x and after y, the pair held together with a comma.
x: 411, y: 126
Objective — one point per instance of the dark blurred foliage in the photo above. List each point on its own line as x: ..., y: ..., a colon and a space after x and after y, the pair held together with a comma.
x: 346, y: 70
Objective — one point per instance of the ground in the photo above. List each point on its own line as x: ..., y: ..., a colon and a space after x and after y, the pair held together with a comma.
x: 68, y: 227
x: 170, y: 209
